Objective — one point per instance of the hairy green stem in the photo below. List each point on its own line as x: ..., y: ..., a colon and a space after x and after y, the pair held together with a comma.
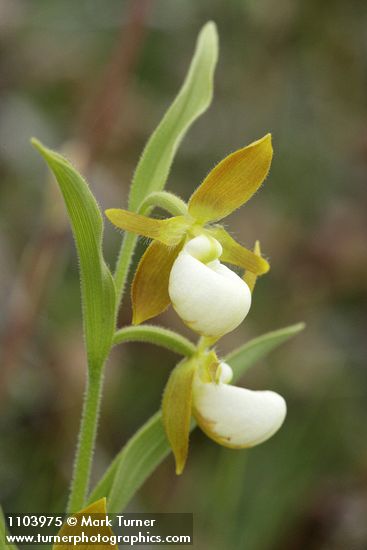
x: 123, y: 263
x: 156, y: 335
x: 86, y: 441
x: 165, y: 200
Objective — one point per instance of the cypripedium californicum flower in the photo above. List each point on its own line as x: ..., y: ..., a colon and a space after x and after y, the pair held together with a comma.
x: 232, y: 416
x: 227, y: 187
x: 208, y: 296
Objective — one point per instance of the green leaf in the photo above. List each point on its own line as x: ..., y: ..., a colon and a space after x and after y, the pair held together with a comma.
x: 135, y: 462
x: 192, y: 100
x: 153, y: 168
x: 3, y: 532
x: 254, y: 350
x: 98, y: 290
x: 149, y: 446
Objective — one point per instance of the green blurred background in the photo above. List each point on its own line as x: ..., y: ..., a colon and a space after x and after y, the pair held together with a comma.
x: 97, y: 76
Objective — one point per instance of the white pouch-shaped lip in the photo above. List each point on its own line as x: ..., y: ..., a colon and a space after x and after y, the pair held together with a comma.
x: 209, y: 297
x: 237, y: 417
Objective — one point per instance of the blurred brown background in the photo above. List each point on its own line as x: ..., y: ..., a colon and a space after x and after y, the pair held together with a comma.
x: 99, y: 75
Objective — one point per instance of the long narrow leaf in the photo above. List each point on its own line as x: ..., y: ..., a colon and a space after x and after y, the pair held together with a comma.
x: 254, y: 350
x: 98, y: 290
x: 137, y: 460
x: 3, y: 533
x: 149, y: 446
x: 192, y: 100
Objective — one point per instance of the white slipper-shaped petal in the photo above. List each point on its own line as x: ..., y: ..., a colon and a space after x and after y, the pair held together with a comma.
x: 236, y: 417
x: 210, y: 298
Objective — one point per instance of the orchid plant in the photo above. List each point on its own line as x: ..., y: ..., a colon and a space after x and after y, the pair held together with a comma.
x: 182, y: 266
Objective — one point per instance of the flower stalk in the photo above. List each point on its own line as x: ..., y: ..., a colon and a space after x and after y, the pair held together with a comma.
x: 86, y: 440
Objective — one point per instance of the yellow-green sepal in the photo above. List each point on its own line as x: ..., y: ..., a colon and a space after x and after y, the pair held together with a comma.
x: 232, y: 182
x: 249, y: 277
x: 149, y: 291
x: 70, y: 529
x: 176, y: 410
x: 236, y: 254
x: 168, y: 231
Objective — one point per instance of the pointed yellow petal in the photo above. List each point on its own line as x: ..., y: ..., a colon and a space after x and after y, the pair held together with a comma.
x: 98, y: 507
x: 249, y: 277
x: 176, y: 410
x: 232, y: 182
x: 149, y: 291
x: 235, y: 254
x: 168, y: 231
